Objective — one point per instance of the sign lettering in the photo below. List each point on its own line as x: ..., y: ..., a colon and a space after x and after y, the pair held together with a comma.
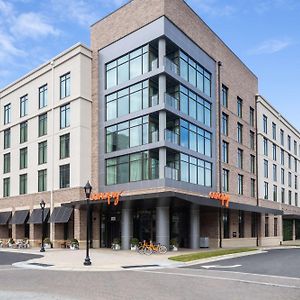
x: 112, y: 196
x: 224, y: 198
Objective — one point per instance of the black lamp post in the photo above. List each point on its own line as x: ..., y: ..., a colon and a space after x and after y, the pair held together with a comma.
x: 87, y: 190
x: 42, y: 204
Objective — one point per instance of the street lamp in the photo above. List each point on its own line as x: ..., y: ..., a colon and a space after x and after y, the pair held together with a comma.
x: 87, y: 190
x: 42, y: 205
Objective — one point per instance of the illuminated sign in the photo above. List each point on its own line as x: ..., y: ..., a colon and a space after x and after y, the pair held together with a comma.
x: 111, y: 196
x: 224, y: 198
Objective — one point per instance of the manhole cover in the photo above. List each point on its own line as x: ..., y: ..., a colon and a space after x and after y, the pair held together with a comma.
x: 41, y: 265
x: 139, y: 266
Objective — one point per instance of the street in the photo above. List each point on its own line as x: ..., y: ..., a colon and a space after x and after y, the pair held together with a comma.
x: 251, y: 281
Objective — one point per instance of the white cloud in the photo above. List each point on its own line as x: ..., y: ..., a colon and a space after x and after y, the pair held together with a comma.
x: 271, y: 46
x: 7, y: 48
x: 5, y: 8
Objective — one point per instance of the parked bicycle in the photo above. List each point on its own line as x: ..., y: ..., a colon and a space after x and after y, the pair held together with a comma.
x: 150, y: 248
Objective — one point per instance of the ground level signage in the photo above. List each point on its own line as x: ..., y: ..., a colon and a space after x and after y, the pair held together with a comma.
x: 115, y: 196
x: 224, y: 198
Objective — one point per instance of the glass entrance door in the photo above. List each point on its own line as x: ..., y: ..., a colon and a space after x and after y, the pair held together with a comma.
x: 110, y: 228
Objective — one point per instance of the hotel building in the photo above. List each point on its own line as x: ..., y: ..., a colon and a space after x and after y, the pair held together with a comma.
x: 159, y: 109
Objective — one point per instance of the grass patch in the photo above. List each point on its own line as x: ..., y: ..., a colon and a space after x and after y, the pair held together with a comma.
x: 208, y: 254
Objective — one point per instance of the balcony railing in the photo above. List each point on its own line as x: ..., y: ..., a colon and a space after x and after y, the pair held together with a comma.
x: 154, y: 136
x: 154, y: 100
x: 171, y: 65
x: 172, y: 137
x: 171, y: 101
x: 171, y: 173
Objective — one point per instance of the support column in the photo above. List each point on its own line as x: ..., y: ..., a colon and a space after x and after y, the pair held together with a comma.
x: 80, y: 227
x: 294, y: 230
x: 96, y: 228
x: 161, y: 51
x: 194, y: 227
x: 163, y: 225
x: 126, y: 228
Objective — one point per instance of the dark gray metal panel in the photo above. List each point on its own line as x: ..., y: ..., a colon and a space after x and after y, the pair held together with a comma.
x: 36, y: 216
x: 20, y: 217
x: 61, y: 214
x: 291, y: 216
x: 4, y: 217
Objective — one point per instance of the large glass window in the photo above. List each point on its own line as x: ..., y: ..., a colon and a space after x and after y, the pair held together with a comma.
x: 43, y: 96
x: 23, y: 158
x: 23, y: 184
x: 42, y: 180
x: 23, y: 132
x: 23, y: 106
x: 64, y: 116
x: 7, y: 113
x: 64, y: 142
x: 131, y: 99
x: 65, y: 85
x: 131, y: 65
x: 6, y: 135
x: 43, y: 124
x: 131, y: 168
x: 6, y: 187
x: 42, y: 157
x: 64, y: 176
x: 6, y: 163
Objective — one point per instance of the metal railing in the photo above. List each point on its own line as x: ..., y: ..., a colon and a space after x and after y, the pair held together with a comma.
x: 171, y: 173
x: 171, y: 65
x: 154, y: 100
x: 171, y: 101
x: 154, y: 136
x: 172, y: 137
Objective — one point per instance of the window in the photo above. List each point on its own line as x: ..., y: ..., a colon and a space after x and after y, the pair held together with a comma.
x: 42, y: 180
x: 274, y: 173
x: 23, y: 106
x: 224, y: 124
x: 64, y: 142
x: 240, y: 184
x: 252, y: 182
x: 289, y: 143
x: 266, y: 190
x: 282, y: 157
x: 295, y: 147
x: 252, y: 140
x: 296, y: 165
x: 224, y: 96
x: 282, y: 195
x: 240, y: 158
x: 225, y: 181
x: 252, y: 164
x: 23, y: 158
x: 253, y: 225
x: 275, y: 192
x: 65, y: 81
x: 64, y: 116
x: 251, y: 121
x: 23, y: 132
x: 64, y: 176
x: 274, y: 151
x: 282, y: 176
x: 296, y: 199
x: 274, y: 131
x: 240, y: 133
x: 296, y: 182
x: 241, y: 223
x: 265, y: 147
x: 265, y: 124
x: 226, y: 224
x: 266, y: 225
x: 42, y: 157
x: 6, y: 187
x: 43, y: 124
x: 289, y: 161
x: 23, y: 184
x: 6, y: 134
x: 225, y: 147
x: 239, y: 107
x: 275, y: 226
x: 7, y: 113
x: 6, y: 163
x: 266, y: 168
x: 281, y: 137
x: 43, y: 96
x: 290, y: 197
x: 290, y: 179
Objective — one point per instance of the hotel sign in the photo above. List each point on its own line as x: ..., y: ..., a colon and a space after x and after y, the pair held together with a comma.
x: 109, y: 197
x: 224, y: 198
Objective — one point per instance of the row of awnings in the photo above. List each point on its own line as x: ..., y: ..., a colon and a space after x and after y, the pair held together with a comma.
x: 59, y: 215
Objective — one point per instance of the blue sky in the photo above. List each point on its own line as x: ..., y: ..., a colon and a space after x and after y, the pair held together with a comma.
x: 265, y: 34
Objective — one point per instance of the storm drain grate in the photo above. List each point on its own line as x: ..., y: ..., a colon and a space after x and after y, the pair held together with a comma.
x: 41, y: 265
x: 139, y: 266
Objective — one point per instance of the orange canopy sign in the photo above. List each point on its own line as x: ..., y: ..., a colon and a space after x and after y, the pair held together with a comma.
x: 224, y: 198
x: 115, y: 196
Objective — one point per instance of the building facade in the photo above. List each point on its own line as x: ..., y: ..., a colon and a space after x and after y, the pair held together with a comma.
x: 159, y: 110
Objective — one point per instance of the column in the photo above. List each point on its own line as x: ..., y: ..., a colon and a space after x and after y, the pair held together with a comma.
x: 126, y: 228
x: 294, y: 229
x: 194, y: 226
x: 161, y: 51
x: 163, y: 225
x: 80, y: 227
x: 96, y: 228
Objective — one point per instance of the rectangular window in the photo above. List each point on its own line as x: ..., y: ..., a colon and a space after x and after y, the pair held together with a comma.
x: 241, y: 224
x: 266, y: 225
x: 289, y: 161
x: 225, y: 148
x: 282, y: 157
x: 251, y: 121
x: 42, y: 156
x: 282, y: 195
x: 282, y: 176
x: 296, y: 165
x: 64, y: 141
x: 65, y: 85
x: 252, y: 164
x: 23, y: 132
x: 224, y: 96
x: 6, y: 134
x: 266, y: 190
x: 226, y: 224
x: 281, y: 137
x: 64, y: 176
x: 290, y: 179
x: 6, y: 163
x: 289, y: 143
x: 224, y: 124
x: 239, y: 107
x: 240, y: 158
x: 266, y: 168
x: 296, y: 199
x: 64, y: 116
x: 240, y: 133
x: 274, y: 151
x: 295, y: 147
x: 252, y: 182
x: 253, y: 225
x: 240, y: 184
x: 290, y: 197
x: 23, y: 184
x: 265, y: 124
x: 43, y: 96
x: 225, y: 181
x: 265, y: 147
x: 274, y: 173
x: 6, y: 187
x: 296, y: 182
x: 274, y: 131
x: 275, y: 226
x: 7, y: 113
x: 252, y: 140
x: 42, y: 180
x: 24, y: 106
x: 23, y: 158
x: 43, y: 124
x: 275, y: 193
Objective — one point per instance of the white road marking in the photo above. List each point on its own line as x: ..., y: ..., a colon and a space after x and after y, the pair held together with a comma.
x: 221, y: 267
x: 224, y: 278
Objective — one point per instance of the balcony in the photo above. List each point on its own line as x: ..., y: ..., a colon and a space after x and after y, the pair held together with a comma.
x: 171, y: 173
x: 170, y: 65
x: 172, y: 137
x: 171, y: 101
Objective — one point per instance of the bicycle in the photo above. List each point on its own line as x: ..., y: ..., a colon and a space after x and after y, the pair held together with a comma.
x: 148, y: 249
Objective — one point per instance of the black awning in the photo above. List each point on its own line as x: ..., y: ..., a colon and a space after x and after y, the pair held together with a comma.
x: 19, y: 217
x: 36, y: 216
x: 4, y: 217
x: 61, y: 214
x: 291, y: 216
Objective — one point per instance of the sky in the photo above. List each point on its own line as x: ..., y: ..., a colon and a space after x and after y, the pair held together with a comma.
x: 265, y: 34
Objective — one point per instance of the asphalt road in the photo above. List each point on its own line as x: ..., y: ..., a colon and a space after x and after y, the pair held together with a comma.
x: 175, y: 283
x: 8, y: 258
